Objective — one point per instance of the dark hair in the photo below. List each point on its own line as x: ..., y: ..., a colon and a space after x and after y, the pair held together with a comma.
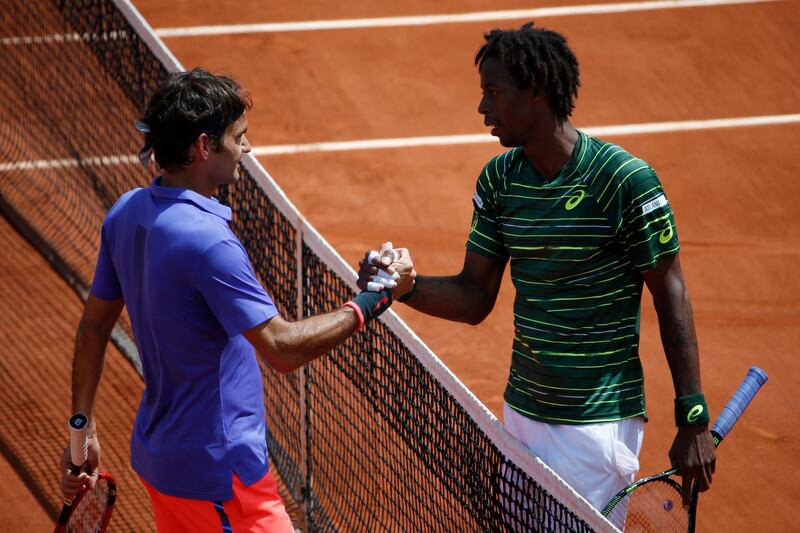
x: 539, y: 58
x: 185, y: 105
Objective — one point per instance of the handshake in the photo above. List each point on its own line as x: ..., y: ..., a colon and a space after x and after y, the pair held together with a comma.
x: 388, y: 268
x: 384, y: 275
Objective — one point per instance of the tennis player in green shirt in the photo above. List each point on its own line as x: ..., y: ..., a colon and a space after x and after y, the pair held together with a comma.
x: 585, y: 225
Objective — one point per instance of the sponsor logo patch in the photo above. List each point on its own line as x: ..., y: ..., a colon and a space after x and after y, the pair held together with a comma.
x: 694, y: 412
x: 574, y: 199
x: 652, y: 205
x: 478, y: 200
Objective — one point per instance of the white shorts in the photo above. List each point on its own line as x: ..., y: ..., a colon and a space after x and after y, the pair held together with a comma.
x: 597, y: 460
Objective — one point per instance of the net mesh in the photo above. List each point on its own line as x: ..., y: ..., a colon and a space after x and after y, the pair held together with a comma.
x: 365, y: 438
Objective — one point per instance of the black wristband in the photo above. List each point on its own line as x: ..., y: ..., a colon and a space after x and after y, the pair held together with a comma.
x: 371, y: 304
x: 691, y: 410
x: 407, y: 296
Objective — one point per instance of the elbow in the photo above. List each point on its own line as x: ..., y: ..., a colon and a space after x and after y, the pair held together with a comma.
x: 281, y: 357
x: 475, y: 318
x: 93, y: 332
x: 285, y: 367
x: 479, y: 313
x: 278, y: 363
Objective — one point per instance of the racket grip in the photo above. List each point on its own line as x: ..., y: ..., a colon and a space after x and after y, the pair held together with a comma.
x: 730, y: 414
x: 78, y: 426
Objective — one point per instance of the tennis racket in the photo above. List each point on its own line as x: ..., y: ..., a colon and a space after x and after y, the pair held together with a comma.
x: 89, y: 511
x: 653, y: 504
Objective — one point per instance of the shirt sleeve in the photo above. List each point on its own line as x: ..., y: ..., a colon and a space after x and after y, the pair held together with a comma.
x: 230, y: 287
x: 639, y: 210
x: 485, y: 237
x: 105, y: 285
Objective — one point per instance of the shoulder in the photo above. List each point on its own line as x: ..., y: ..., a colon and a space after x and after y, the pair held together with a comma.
x: 193, y: 228
x: 123, y: 202
x: 500, y: 164
x: 610, y: 167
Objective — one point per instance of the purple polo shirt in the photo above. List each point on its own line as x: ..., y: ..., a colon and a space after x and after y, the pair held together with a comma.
x: 191, y: 292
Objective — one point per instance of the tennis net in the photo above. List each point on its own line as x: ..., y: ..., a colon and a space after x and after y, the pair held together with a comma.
x: 378, y: 435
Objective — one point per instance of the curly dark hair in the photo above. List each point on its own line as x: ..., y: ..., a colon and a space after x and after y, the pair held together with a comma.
x: 539, y: 58
x: 185, y: 105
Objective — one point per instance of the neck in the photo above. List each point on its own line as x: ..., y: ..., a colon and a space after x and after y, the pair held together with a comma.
x: 183, y: 179
x: 551, y: 147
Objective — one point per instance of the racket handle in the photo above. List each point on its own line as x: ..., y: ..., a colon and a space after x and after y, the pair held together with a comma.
x: 78, y: 426
x: 738, y: 403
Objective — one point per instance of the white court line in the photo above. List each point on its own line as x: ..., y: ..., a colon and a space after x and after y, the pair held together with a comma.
x: 442, y: 140
x: 65, y: 38
x: 94, y: 161
x: 426, y: 20
x: 595, y: 131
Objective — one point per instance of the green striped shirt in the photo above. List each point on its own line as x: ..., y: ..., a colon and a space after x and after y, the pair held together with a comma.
x: 577, y: 246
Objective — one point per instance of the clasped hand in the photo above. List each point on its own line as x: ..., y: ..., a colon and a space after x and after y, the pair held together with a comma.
x: 388, y: 267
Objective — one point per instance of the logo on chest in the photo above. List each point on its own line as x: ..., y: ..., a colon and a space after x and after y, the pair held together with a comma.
x: 574, y: 199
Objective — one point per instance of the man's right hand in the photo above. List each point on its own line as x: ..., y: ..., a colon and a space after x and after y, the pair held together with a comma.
x: 392, y: 260
x: 71, y: 484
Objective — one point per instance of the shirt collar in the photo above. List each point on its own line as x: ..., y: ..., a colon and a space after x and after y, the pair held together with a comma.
x: 210, y: 205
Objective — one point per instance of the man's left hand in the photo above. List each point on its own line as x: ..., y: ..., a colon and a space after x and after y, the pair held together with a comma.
x: 694, y: 454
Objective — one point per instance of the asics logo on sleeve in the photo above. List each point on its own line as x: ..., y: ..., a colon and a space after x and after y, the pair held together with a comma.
x: 574, y: 200
x: 694, y: 412
x: 666, y: 234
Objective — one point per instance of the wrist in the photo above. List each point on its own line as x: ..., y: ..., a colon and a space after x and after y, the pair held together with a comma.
x: 369, y: 305
x: 691, y: 410
x: 410, y: 294
x: 352, y: 305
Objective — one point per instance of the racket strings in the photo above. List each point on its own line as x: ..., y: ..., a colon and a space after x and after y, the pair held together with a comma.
x: 89, y: 511
x: 653, y: 507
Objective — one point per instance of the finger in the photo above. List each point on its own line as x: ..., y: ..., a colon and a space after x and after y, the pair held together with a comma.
x: 368, y: 269
x: 71, y: 486
x: 686, y: 491
x: 709, y: 469
x: 387, y: 254
x: 374, y: 287
x: 387, y: 283
x: 384, y: 274
x: 372, y: 256
x: 702, y: 480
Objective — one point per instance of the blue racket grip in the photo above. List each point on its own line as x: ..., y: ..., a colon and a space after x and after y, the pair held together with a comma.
x: 730, y: 414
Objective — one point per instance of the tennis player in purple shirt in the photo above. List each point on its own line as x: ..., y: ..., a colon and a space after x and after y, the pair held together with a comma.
x: 199, y: 315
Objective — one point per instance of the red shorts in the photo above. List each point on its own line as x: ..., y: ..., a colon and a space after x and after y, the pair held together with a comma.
x: 257, y: 509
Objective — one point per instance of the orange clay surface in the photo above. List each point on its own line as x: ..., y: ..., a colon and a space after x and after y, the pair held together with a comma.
x: 734, y: 191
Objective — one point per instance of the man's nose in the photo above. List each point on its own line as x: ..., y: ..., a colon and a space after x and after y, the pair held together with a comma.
x: 482, y: 107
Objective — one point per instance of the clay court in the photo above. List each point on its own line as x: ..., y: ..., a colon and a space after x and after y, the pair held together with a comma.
x: 734, y: 191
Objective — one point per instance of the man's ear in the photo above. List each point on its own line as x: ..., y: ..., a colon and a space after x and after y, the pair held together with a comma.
x: 200, y: 148
x: 536, y: 95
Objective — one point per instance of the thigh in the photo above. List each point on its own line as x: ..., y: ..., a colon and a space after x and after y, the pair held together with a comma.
x: 257, y: 508
x: 597, y: 460
x: 183, y: 515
